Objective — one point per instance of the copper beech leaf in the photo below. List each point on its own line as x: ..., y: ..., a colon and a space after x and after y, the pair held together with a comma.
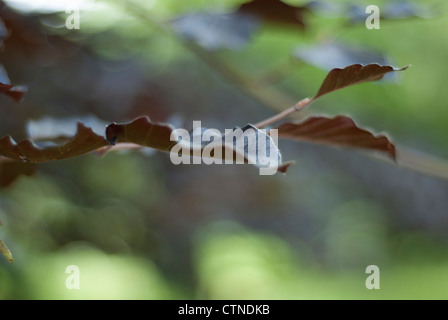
x: 5, y: 87
x: 85, y: 140
x: 15, y: 92
x: 275, y: 11
x: 11, y: 169
x: 143, y: 132
x: 234, y: 30
x: 339, y: 131
x: 341, y: 78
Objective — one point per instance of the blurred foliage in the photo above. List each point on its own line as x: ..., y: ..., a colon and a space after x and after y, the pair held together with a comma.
x: 139, y: 227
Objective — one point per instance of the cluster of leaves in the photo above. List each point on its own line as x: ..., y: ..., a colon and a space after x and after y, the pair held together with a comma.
x: 142, y: 132
x: 213, y: 31
x: 22, y: 158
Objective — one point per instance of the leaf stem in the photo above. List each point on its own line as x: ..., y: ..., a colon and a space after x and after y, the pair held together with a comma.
x: 274, y: 99
x: 299, y: 106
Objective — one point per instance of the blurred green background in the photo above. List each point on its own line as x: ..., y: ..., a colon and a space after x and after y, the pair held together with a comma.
x: 139, y: 227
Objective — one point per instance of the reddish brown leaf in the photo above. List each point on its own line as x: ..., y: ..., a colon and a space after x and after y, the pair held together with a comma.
x: 275, y: 11
x: 142, y: 131
x: 11, y: 170
x: 83, y: 142
x: 285, y: 166
x: 354, y: 74
x: 5, y: 87
x: 15, y: 92
x: 340, y: 131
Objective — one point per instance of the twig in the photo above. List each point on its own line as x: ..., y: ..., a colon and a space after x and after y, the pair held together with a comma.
x: 299, y: 106
x: 423, y: 163
x: 276, y: 100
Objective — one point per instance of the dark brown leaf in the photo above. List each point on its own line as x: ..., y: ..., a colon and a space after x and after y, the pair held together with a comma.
x: 213, y: 31
x: 5, y: 87
x: 143, y: 132
x: 275, y: 11
x: 83, y: 142
x: 354, y: 74
x: 340, y: 131
x: 285, y: 166
x: 15, y: 92
x: 11, y: 170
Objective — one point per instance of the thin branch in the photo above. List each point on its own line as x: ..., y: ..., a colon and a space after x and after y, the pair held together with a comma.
x: 423, y: 163
x: 276, y: 100
x: 299, y: 106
